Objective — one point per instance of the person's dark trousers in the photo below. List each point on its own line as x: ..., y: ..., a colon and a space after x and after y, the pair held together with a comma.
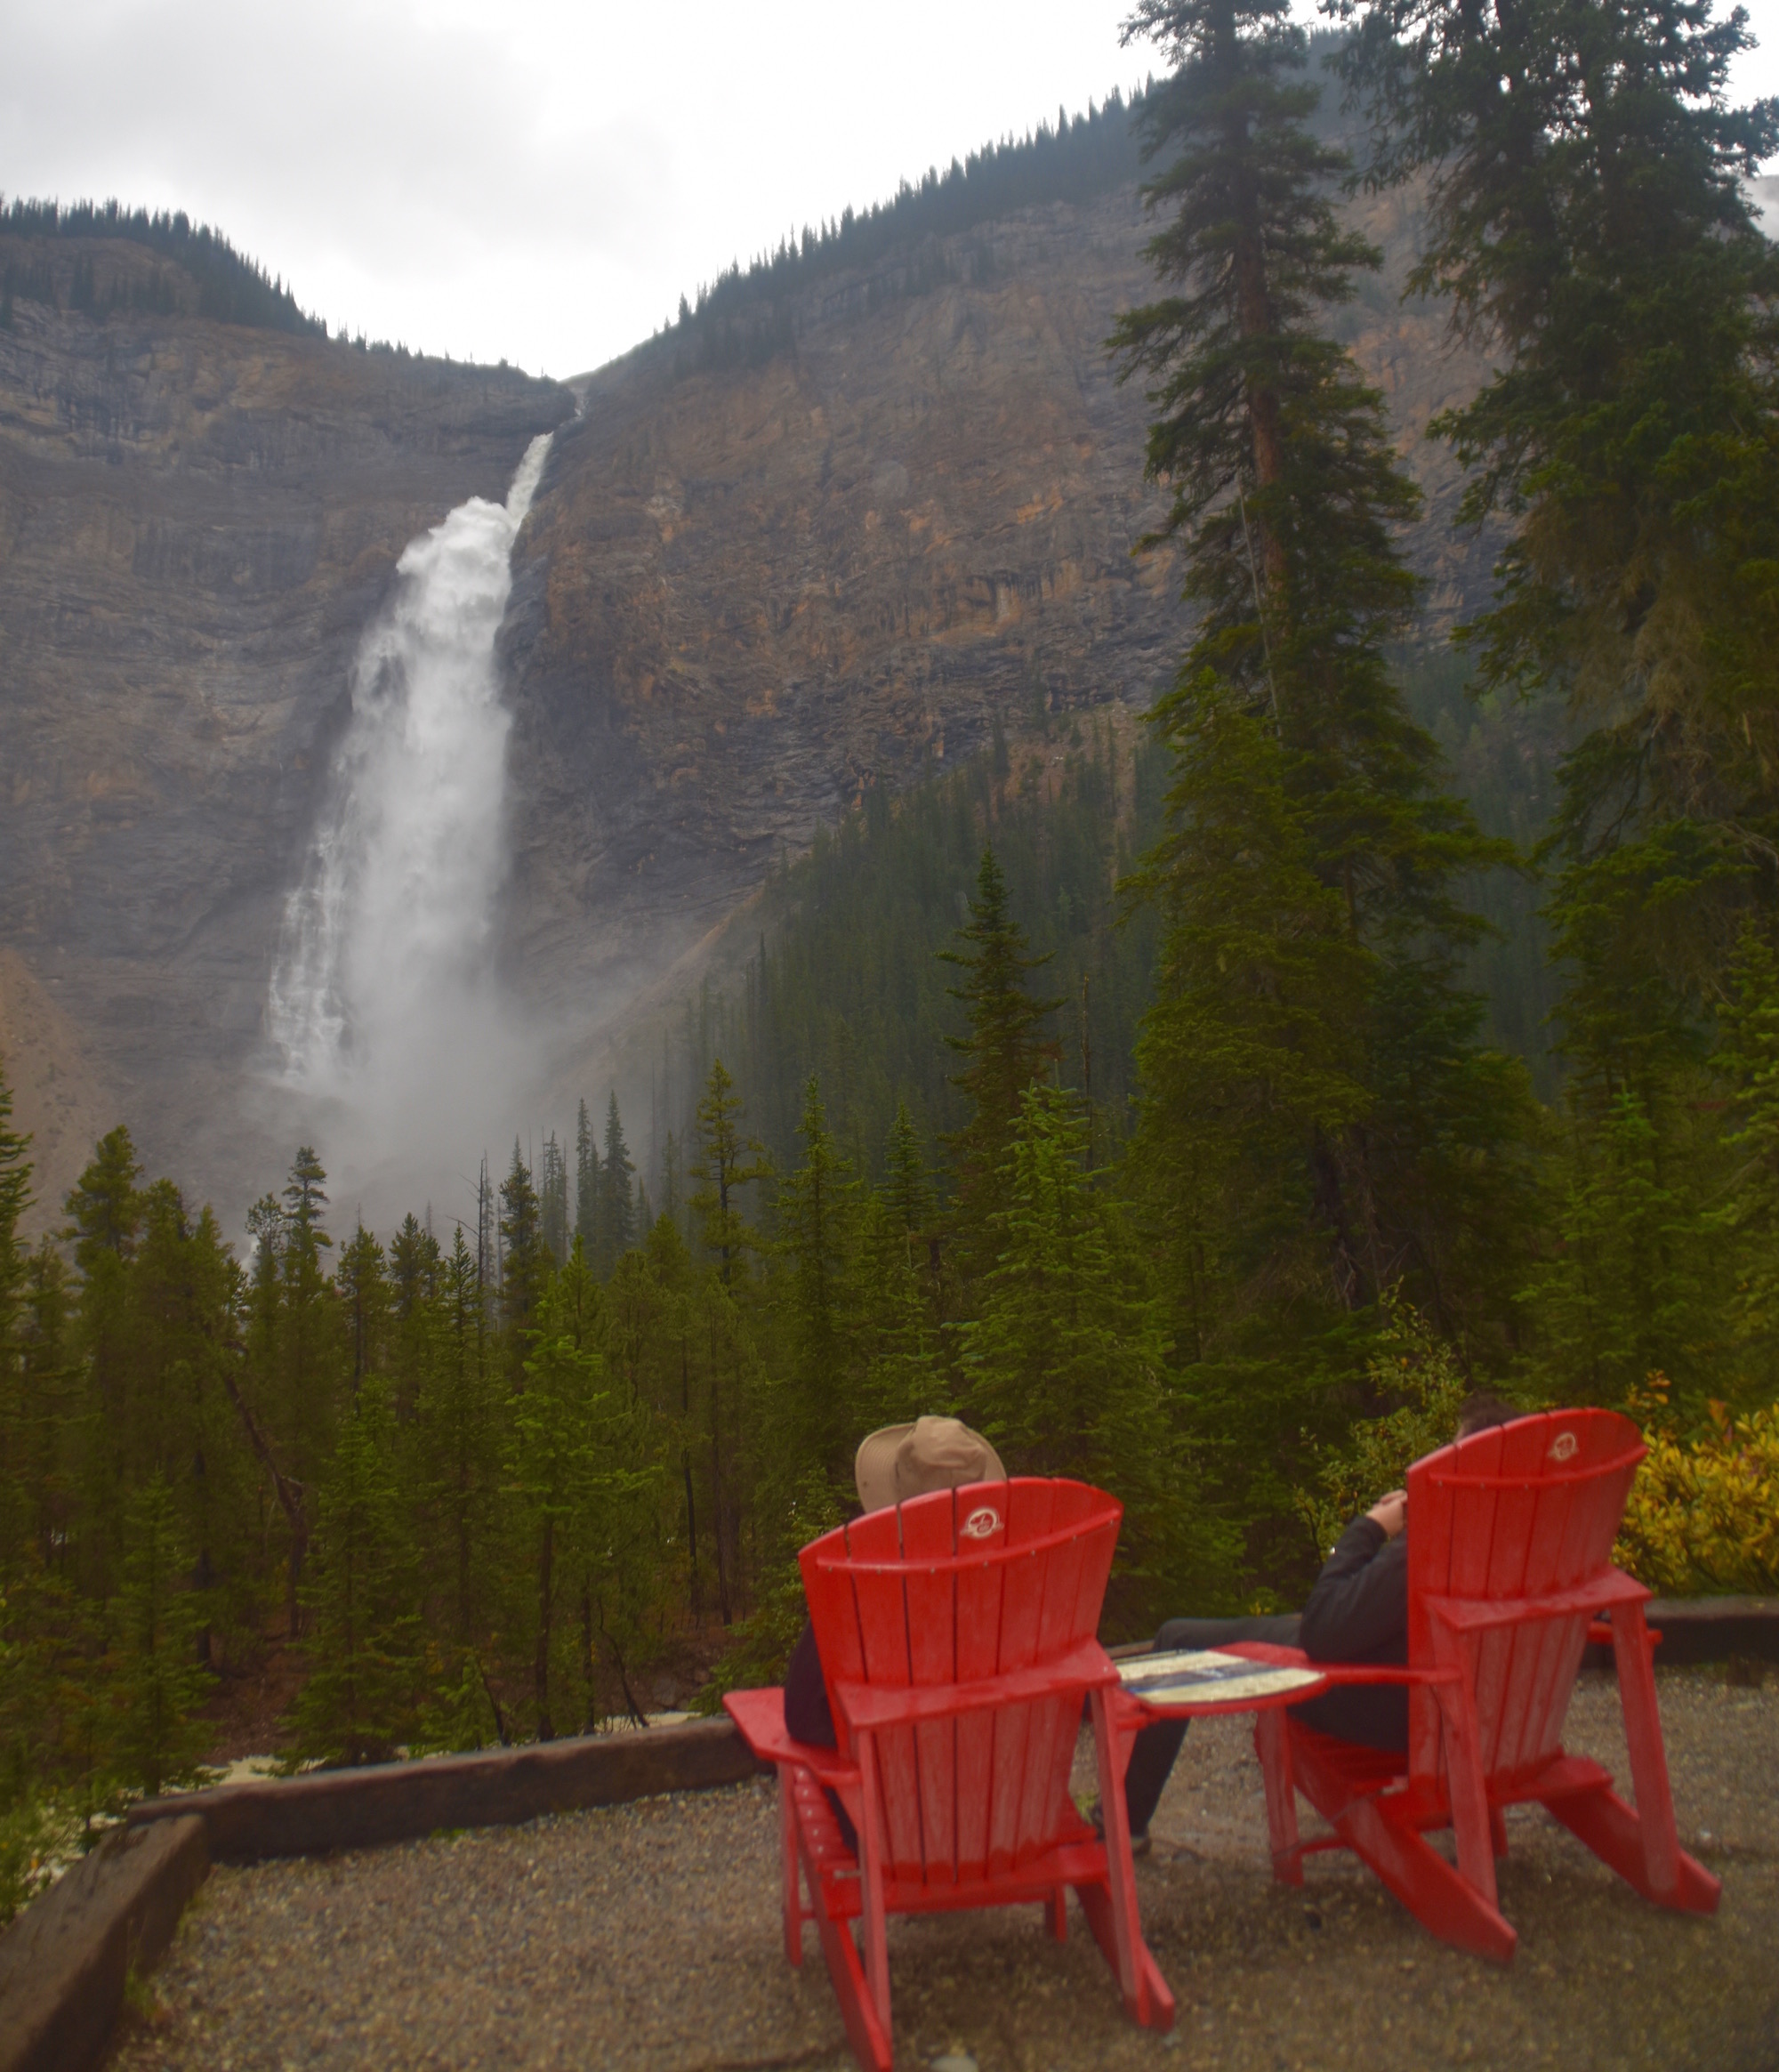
x: 1152, y: 1753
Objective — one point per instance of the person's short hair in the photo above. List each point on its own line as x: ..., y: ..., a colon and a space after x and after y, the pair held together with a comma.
x: 1479, y: 1412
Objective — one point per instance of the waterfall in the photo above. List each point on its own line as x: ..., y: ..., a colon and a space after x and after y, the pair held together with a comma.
x: 383, y: 1010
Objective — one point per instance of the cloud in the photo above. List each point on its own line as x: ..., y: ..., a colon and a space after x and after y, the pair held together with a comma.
x: 540, y: 183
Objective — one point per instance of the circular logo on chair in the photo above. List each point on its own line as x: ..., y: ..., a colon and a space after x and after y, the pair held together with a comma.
x: 981, y: 1525
x: 1564, y: 1447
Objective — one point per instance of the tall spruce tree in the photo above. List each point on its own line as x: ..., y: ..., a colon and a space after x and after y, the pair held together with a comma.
x: 1064, y: 1368
x: 524, y: 1263
x: 617, y: 1200
x: 815, y: 1425
x: 1004, y: 1051
x: 158, y: 1682
x: 21, y: 1437
x: 363, y: 1593
x: 105, y: 1209
x: 587, y: 1182
x: 1317, y: 1119
x: 1589, y: 218
x: 362, y: 1279
x: 728, y: 1161
x: 552, y: 1201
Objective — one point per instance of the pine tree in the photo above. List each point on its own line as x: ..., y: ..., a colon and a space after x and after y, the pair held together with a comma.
x: 416, y: 1280
x: 618, y: 1204
x: 363, y: 1285
x: 1628, y: 1291
x: 907, y: 1186
x: 817, y: 1424
x: 726, y: 1162
x: 1746, y: 1219
x: 1310, y: 969
x: 1064, y: 1368
x: 158, y: 1682
x: 306, y: 1386
x: 587, y: 1182
x: 1589, y: 217
x: 457, y: 1444
x: 105, y: 1212
x: 552, y: 1197
x: 550, y: 1459
x: 20, y: 1441
x: 362, y: 1596
x: 525, y: 1271
x: 1003, y: 1050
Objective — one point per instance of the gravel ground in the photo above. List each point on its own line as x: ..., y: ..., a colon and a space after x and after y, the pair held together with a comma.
x: 647, y: 1936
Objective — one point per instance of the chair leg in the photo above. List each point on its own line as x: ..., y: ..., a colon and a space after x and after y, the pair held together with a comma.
x: 869, y: 2037
x: 1441, y: 1898
x: 871, y: 1881
x: 1471, y: 1827
x: 1648, y: 1757
x: 790, y: 1870
x: 1498, y: 1832
x: 1272, y: 1746
x: 1112, y: 1909
x: 1617, y: 1835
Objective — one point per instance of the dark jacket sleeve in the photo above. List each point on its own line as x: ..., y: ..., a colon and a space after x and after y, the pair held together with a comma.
x: 1358, y: 1610
x: 807, y: 1717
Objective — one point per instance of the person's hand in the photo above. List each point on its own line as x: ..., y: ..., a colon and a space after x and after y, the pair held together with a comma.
x: 1391, y: 1512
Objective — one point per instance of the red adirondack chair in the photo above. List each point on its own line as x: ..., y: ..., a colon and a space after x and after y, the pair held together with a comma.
x: 1509, y: 1560
x: 956, y: 1633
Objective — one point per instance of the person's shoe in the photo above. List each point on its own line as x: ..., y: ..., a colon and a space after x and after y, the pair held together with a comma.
x: 1140, y: 1845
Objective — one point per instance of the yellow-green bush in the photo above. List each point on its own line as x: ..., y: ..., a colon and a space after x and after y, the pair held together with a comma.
x: 1704, y: 1514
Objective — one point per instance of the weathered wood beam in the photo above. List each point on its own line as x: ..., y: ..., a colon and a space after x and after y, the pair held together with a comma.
x: 396, y: 1802
x: 65, y: 1960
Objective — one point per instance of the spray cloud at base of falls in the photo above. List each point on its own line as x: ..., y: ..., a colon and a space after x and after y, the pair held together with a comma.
x: 393, y: 1045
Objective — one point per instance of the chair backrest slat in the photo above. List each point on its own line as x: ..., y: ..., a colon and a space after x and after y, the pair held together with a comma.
x: 1515, y: 1512
x: 929, y: 1532
x: 979, y: 1657
x: 963, y: 1586
x: 881, y: 1598
x: 1030, y: 1506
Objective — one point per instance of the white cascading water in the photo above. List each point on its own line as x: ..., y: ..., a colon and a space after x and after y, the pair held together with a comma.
x: 382, y: 1007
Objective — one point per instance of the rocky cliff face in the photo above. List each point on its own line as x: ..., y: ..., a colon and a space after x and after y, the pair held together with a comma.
x: 742, y: 596
x: 746, y: 595
x: 196, y: 521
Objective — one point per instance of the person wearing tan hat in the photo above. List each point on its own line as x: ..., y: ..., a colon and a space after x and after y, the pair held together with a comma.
x: 892, y: 1465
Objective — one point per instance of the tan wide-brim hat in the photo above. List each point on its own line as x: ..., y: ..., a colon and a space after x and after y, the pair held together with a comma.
x: 909, y: 1460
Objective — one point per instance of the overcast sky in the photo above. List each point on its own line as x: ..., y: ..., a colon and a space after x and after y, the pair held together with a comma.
x: 530, y: 179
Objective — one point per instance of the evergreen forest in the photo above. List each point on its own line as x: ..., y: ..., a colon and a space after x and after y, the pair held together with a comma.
x: 57, y: 269
x: 1201, y: 1114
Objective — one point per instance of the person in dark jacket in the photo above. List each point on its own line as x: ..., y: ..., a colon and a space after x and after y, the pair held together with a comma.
x: 1356, y: 1613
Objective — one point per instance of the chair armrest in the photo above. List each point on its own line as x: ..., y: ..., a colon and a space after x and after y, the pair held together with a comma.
x: 869, y: 1705
x: 1344, y: 1673
x: 1470, y: 1615
x: 760, y: 1716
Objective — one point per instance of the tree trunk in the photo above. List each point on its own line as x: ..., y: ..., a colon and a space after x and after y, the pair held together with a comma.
x: 290, y: 1496
x: 540, y: 1668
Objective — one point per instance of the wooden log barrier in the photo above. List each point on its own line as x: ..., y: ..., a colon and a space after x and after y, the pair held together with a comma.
x: 66, y: 1959
x: 398, y: 1802
x: 1706, y: 1629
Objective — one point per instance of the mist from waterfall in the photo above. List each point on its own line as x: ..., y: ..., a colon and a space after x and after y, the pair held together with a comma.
x: 392, y: 1043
